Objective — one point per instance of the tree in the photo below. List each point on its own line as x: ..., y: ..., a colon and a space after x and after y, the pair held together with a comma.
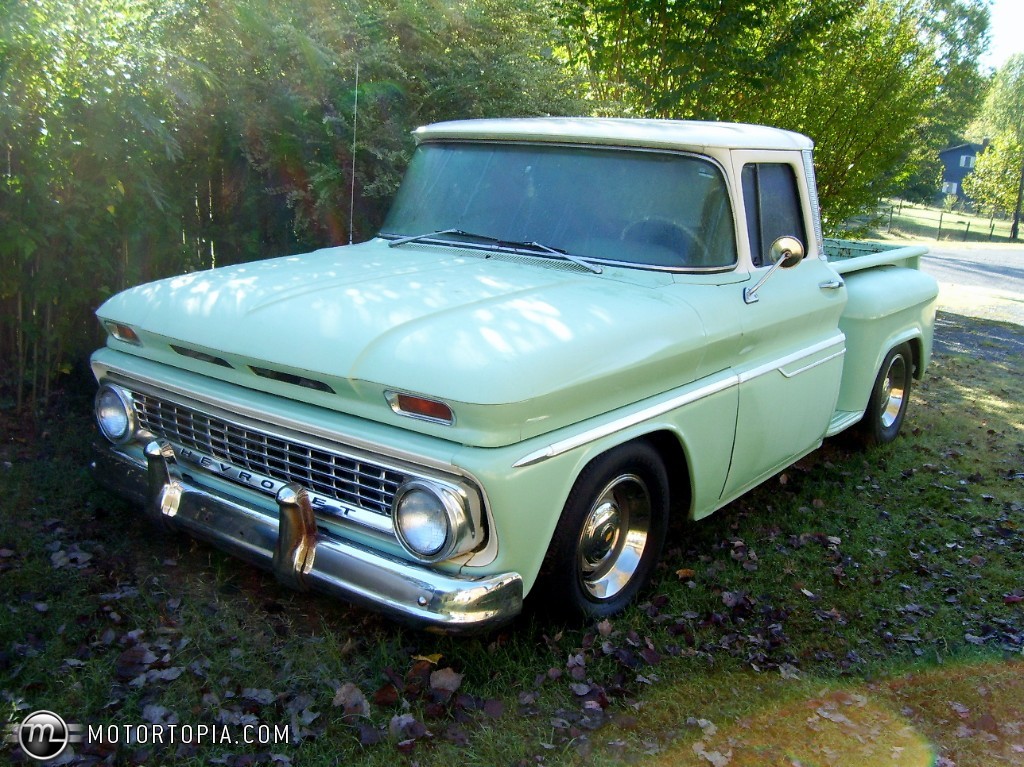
x: 1002, y: 117
x: 703, y: 59
x: 879, y: 85
x: 995, y: 179
x: 957, y: 31
x: 84, y: 130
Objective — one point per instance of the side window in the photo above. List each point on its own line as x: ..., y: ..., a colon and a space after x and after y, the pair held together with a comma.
x: 772, y: 200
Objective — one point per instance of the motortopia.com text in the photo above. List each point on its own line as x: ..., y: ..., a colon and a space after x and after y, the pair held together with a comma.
x: 187, y: 734
x: 44, y: 735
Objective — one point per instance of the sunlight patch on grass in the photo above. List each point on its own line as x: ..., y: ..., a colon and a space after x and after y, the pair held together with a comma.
x: 970, y: 712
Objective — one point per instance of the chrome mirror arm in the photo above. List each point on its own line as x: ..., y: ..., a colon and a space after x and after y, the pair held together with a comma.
x: 786, y: 252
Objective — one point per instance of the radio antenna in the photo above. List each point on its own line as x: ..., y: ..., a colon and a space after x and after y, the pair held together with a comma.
x: 352, y: 193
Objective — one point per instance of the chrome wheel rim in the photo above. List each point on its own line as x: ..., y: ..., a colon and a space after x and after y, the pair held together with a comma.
x: 614, y: 536
x: 893, y: 390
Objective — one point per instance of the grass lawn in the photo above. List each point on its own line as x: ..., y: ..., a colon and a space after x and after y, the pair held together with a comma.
x: 861, y: 608
x: 911, y: 221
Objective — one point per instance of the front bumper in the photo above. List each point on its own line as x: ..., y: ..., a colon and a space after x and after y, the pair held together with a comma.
x: 305, y: 557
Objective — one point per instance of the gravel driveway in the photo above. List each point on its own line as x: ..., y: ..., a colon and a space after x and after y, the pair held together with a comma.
x: 994, y: 341
x: 981, y: 299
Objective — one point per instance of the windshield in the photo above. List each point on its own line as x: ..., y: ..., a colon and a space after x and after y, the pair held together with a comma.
x: 655, y: 209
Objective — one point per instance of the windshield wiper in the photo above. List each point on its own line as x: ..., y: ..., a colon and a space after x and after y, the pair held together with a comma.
x: 425, y: 235
x: 503, y: 243
x: 557, y: 252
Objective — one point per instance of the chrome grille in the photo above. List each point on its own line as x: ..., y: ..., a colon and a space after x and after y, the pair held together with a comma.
x: 351, y: 481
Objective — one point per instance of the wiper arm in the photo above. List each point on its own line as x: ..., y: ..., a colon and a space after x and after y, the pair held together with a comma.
x: 423, y: 236
x: 560, y: 253
x: 498, y: 241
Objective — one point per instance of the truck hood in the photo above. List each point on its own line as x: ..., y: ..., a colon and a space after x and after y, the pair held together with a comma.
x: 517, y: 346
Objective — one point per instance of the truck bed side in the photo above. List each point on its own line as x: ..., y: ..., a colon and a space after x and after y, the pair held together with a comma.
x: 889, y: 302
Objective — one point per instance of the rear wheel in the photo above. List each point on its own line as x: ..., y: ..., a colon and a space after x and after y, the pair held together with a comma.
x: 610, y: 535
x: 889, y: 396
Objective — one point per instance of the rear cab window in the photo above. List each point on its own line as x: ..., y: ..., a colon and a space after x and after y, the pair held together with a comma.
x: 771, y: 196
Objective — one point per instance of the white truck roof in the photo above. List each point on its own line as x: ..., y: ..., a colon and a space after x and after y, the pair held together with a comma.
x: 662, y: 134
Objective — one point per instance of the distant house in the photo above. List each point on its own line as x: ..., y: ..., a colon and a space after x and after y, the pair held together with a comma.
x: 957, y: 163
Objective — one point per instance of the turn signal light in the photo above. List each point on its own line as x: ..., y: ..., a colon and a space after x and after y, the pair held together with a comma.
x: 420, y: 407
x: 123, y: 332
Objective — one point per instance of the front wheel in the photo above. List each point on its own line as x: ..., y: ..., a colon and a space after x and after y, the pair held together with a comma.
x: 610, y: 535
x: 889, y: 396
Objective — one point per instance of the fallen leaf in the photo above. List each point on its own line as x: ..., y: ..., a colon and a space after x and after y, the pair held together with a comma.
x: 494, y: 708
x: 431, y: 659
x: 351, y: 700
x: 446, y: 679
x: 368, y: 734
x: 405, y: 727
x: 716, y: 758
x: 387, y: 695
x: 167, y: 674
x: 263, y: 697
x: 959, y: 708
x: 133, y: 661
x: 789, y: 671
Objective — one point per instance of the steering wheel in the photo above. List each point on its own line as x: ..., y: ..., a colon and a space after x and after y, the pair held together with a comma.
x: 672, y: 236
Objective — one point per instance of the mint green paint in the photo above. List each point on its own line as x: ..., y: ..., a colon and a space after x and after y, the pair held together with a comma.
x: 532, y: 353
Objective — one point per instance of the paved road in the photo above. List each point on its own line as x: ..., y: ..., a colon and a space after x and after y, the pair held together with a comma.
x: 996, y: 267
x: 977, y: 280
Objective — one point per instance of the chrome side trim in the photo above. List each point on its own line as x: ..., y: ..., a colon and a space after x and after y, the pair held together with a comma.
x: 813, y: 365
x: 653, y: 411
x: 620, y: 424
x: 789, y: 359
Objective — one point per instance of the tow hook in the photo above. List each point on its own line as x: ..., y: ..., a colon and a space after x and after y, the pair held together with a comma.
x: 296, y: 537
x: 164, y: 483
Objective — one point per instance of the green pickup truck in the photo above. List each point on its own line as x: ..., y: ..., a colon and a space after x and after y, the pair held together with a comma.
x: 566, y: 331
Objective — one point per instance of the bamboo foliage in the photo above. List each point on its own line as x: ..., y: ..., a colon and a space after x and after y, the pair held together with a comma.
x: 143, y: 138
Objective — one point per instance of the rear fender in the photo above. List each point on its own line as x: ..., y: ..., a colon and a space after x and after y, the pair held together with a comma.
x: 887, y: 306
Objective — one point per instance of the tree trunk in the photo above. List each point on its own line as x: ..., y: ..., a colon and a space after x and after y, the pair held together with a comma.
x: 1015, y: 228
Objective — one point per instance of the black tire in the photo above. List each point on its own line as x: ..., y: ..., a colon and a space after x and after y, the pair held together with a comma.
x: 889, y: 397
x: 609, y: 537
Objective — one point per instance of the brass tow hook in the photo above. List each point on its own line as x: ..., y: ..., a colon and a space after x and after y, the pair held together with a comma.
x: 296, y: 537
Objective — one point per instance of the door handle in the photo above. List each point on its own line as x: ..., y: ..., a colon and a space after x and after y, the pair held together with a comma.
x: 831, y: 285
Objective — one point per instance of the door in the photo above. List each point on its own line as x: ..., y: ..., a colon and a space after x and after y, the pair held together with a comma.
x: 791, y: 355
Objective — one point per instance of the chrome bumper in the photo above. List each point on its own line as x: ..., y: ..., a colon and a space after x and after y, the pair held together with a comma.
x: 304, y: 557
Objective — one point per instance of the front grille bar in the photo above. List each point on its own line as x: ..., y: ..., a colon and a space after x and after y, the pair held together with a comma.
x: 347, y: 479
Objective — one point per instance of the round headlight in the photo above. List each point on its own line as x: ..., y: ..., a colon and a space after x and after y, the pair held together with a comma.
x: 114, y: 414
x: 422, y: 520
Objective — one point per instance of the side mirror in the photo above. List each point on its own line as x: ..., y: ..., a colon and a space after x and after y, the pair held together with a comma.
x: 785, y: 253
